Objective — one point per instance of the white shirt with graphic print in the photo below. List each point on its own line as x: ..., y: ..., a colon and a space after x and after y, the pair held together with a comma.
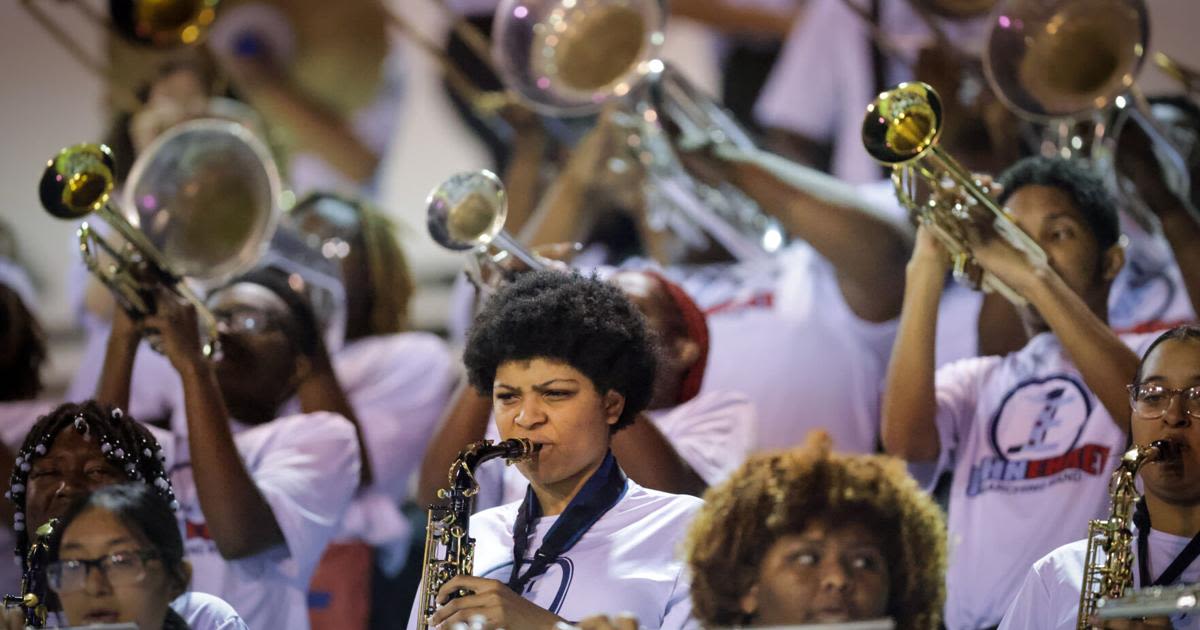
x: 1049, y: 598
x: 628, y: 561
x: 306, y: 467
x: 1032, y: 450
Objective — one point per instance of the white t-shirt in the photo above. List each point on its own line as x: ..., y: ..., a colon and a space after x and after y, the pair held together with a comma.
x: 629, y: 561
x: 1150, y: 289
x: 202, y: 611
x: 780, y: 332
x: 1032, y: 450
x: 713, y: 432
x: 306, y: 467
x: 824, y: 79
x: 1049, y: 597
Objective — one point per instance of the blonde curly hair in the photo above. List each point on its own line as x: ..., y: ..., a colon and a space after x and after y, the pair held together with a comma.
x: 780, y: 493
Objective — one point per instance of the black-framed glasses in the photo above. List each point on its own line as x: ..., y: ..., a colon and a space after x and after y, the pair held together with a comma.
x: 122, y: 568
x: 1151, y: 400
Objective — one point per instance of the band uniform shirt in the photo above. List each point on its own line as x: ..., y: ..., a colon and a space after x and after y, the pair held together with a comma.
x: 628, y: 561
x: 1049, y: 597
x: 781, y: 333
x: 713, y: 432
x: 824, y: 79
x: 1032, y: 450
x: 306, y: 467
x: 202, y: 611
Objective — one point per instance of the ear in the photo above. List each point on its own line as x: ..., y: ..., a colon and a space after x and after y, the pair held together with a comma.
x: 1113, y: 260
x: 614, y: 404
x: 687, y: 352
x: 749, y: 601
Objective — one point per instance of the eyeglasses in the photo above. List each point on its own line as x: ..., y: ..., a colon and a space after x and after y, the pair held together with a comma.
x: 120, y: 569
x: 247, y: 321
x: 1151, y: 401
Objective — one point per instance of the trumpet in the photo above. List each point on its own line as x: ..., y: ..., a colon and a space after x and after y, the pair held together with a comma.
x: 901, y: 130
x: 206, y: 195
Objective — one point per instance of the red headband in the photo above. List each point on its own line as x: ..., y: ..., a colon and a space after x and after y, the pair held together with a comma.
x: 697, y: 330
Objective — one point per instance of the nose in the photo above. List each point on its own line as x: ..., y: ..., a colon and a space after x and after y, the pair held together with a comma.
x: 96, y: 580
x: 833, y: 576
x: 531, y: 413
x: 1176, y: 415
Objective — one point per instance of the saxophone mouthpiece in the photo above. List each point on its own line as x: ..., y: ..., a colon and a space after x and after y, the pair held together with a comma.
x: 1165, y: 450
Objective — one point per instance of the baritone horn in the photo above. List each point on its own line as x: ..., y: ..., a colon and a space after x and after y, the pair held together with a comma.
x: 901, y: 130
x: 1062, y: 62
x: 200, y: 205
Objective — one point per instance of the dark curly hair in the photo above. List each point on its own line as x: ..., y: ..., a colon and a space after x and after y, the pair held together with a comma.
x: 1085, y: 188
x: 126, y: 443
x: 147, y: 514
x: 777, y: 494
x: 582, y: 321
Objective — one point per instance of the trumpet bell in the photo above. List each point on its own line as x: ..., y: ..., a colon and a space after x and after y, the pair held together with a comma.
x: 902, y: 123
x: 1062, y: 58
x: 568, y: 57
x: 467, y: 210
x: 206, y: 196
x: 77, y: 181
x: 163, y: 23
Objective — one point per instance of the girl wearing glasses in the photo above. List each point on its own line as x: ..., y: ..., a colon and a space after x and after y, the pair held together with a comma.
x: 1165, y: 401
x: 119, y: 559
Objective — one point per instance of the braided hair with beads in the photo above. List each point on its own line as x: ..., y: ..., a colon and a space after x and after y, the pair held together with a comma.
x: 123, y: 441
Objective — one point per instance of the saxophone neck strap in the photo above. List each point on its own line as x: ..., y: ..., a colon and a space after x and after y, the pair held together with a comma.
x: 602, y: 491
x: 1141, y: 518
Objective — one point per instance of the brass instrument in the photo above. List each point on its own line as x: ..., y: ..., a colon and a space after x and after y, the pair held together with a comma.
x: 200, y: 204
x: 901, y: 130
x: 34, y: 586
x: 1110, y: 578
x: 467, y: 213
x: 449, y: 548
x: 1060, y: 63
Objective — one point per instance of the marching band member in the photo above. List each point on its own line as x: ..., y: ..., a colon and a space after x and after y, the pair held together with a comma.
x: 128, y: 535
x: 77, y: 449
x: 1165, y: 397
x: 261, y: 495
x: 568, y: 362
x: 685, y: 441
x: 808, y: 536
x: 1040, y: 427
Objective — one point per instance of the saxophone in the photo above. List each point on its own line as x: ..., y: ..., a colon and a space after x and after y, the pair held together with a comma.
x: 1112, y: 577
x: 34, y: 589
x: 449, y: 550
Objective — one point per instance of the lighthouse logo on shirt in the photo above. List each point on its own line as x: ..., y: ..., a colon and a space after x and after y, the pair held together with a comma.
x: 1035, y: 439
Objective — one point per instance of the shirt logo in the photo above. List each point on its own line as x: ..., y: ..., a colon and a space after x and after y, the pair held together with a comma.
x: 1034, y: 439
x: 557, y: 580
x: 1146, y: 294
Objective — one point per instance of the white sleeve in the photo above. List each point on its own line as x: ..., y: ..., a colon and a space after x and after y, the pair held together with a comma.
x: 308, y: 475
x: 713, y: 433
x: 801, y: 92
x: 957, y: 388
x: 1032, y: 608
